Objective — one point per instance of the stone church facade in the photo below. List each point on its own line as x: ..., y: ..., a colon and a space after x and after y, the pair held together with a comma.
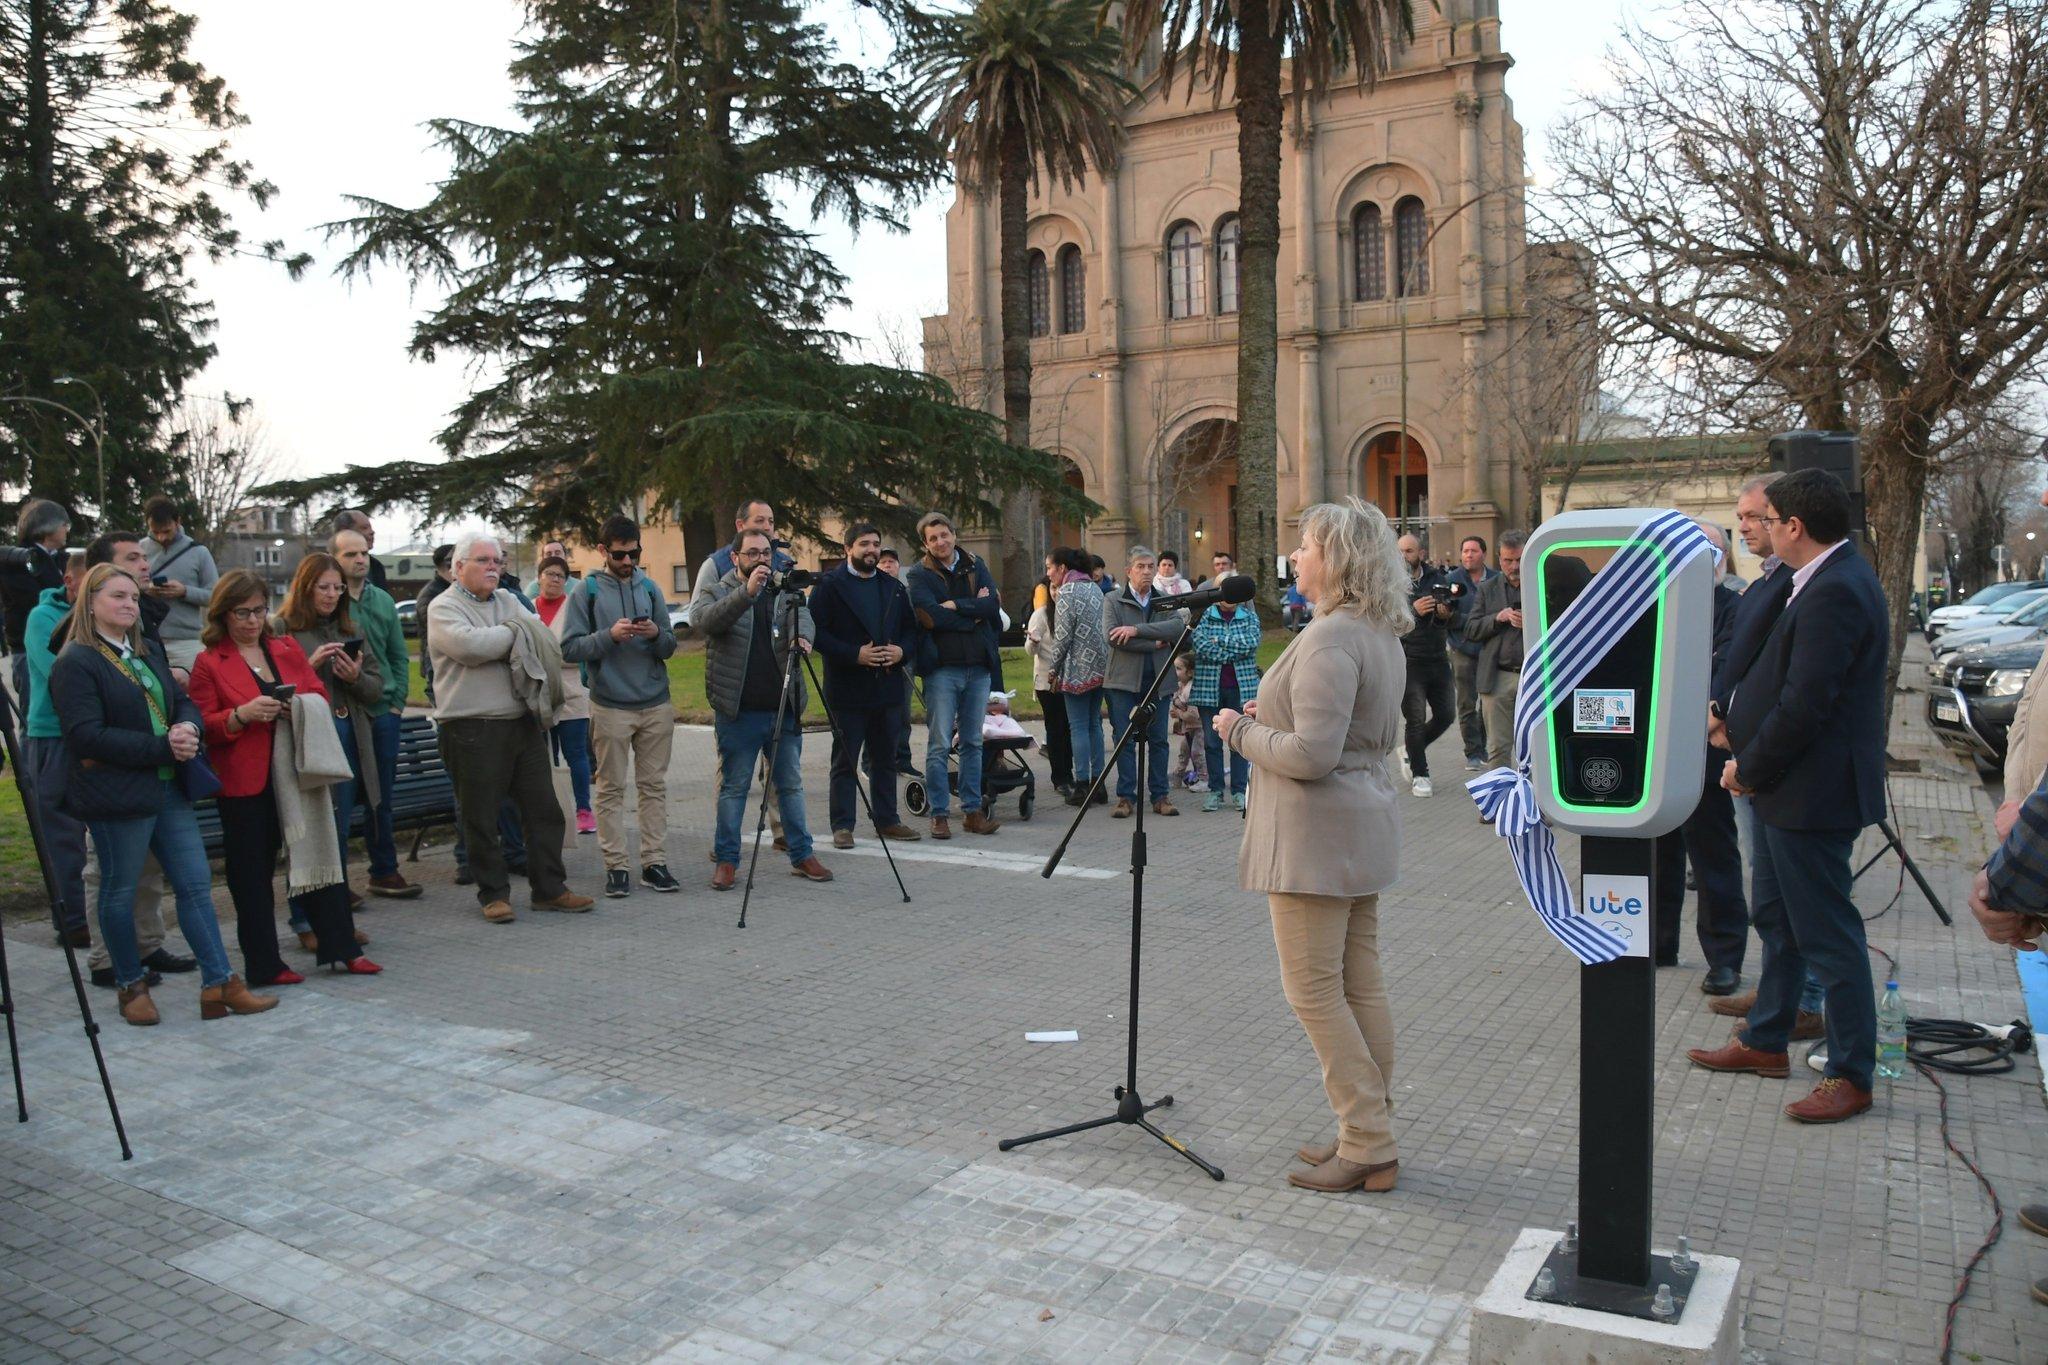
x: 1401, y: 232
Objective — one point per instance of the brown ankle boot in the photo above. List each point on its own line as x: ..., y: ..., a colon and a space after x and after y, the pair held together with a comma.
x: 1340, y: 1176
x: 136, y: 1006
x: 232, y: 996
x: 1318, y: 1154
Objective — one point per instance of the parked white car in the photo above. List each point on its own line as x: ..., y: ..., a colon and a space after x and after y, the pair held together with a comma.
x: 1942, y: 618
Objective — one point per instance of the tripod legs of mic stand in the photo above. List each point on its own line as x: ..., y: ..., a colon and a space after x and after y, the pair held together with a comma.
x: 1130, y: 1106
x: 1898, y: 846
x: 13, y: 1042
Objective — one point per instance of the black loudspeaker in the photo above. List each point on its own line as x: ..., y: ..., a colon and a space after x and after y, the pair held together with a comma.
x: 1834, y: 451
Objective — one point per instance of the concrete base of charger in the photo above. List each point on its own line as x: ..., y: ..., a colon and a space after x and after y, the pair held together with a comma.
x: 1508, y: 1328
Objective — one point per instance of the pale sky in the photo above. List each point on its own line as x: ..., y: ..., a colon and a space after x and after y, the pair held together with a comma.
x: 337, y: 106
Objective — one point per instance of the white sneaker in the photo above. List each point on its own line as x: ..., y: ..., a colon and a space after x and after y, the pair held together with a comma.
x: 1422, y: 787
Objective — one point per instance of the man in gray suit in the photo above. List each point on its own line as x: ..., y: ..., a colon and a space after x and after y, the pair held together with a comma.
x: 1495, y: 625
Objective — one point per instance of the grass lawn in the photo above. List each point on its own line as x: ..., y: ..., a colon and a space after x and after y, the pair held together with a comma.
x: 21, y: 881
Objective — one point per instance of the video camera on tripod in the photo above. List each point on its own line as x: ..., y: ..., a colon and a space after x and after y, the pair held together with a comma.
x: 789, y: 578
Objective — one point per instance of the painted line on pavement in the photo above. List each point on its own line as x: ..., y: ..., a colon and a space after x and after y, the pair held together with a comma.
x: 968, y: 857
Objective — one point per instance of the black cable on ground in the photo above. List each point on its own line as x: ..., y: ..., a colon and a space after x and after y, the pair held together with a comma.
x: 1955, y: 1303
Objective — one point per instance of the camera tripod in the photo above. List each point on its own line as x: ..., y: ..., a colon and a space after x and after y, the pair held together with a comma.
x: 1131, y: 1107
x: 1898, y: 846
x: 8, y: 716
x: 792, y: 598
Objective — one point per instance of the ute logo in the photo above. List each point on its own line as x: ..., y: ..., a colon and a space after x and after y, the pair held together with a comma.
x: 1613, y: 903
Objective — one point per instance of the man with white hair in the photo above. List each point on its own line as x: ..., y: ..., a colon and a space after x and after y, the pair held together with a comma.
x: 493, y: 744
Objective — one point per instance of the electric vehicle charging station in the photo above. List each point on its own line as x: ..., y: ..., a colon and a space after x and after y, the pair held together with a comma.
x: 1619, y: 760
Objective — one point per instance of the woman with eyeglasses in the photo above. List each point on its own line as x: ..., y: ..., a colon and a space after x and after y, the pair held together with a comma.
x: 127, y: 726
x: 316, y: 616
x: 237, y: 683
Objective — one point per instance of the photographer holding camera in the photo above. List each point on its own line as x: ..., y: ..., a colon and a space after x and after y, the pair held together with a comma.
x: 28, y: 569
x: 743, y: 618
x: 1429, y: 666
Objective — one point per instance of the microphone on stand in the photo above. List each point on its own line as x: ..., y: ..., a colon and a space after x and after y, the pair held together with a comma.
x: 1235, y: 589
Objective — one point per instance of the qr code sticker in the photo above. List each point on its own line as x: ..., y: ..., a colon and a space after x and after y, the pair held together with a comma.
x: 1604, y: 711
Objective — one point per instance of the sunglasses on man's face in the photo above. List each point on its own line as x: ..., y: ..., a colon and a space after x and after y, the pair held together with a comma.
x: 622, y: 555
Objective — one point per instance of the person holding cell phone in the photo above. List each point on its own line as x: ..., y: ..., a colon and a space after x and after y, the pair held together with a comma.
x: 242, y: 681
x: 317, y: 614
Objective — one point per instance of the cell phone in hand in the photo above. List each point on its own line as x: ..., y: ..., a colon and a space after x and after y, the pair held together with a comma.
x: 642, y: 620
x: 352, y: 648
x: 158, y: 580
x: 282, y: 691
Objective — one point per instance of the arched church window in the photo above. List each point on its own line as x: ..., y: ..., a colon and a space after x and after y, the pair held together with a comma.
x: 1073, y: 289
x: 1369, y: 252
x: 1228, y: 238
x: 1411, y: 230
x: 1185, y: 294
x: 1041, y: 294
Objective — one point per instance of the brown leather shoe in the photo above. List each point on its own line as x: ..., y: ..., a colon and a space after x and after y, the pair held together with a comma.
x: 1740, y: 1056
x: 1833, y: 1100
x: 310, y: 941
x: 499, y: 912
x: 978, y: 823
x: 1339, y: 1176
x: 1123, y: 811
x: 810, y: 869
x: 942, y: 828
x: 1809, y: 1024
x: 232, y: 996
x: 2034, y: 1218
x: 1317, y: 1155
x: 136, y: 1006
x: 723, y: 876
x: 1163, y: 807
x: 569, y: 903
x: 394, y: 887
x: 782, y: 843
x: 842, y: 838
x: 1734, y: 1006
x: 902, y: 834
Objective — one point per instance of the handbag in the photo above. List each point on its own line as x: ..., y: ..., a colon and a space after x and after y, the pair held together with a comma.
x: 195, y: 778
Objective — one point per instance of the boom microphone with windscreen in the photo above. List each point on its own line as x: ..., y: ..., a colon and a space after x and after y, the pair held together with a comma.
x: 1235, y: 589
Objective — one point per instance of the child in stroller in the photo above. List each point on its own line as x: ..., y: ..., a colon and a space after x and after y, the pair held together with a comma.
x: 1004, y: 744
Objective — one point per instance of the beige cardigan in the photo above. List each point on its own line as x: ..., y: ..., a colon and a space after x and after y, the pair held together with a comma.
x: 1324, y: 818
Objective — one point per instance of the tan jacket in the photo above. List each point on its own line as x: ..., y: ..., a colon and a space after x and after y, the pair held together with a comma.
x: 1324, y: 818
x: 2026, y: 740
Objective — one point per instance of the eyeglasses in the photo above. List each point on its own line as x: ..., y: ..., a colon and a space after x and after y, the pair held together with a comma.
x: 751, y: 554
x: 633, y: 553
x: 1773, y: 521
x: 247, y: 613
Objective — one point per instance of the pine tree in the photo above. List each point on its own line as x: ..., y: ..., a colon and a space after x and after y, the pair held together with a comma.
x: 649, y: 325
x: 116, y: 171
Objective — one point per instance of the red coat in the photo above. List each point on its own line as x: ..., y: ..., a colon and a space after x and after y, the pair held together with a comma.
x: 221, y: 681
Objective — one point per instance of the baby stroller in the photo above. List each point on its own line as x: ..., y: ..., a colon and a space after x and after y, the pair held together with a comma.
x: 1004, y: 768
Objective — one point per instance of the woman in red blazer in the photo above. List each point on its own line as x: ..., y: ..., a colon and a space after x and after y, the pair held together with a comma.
x: 230, y: 684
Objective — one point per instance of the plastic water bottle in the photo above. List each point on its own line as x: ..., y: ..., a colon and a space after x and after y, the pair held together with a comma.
x: 1891, y: 1033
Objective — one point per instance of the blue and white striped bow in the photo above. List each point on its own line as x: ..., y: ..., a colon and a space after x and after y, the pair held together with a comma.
x: 1592, y: 625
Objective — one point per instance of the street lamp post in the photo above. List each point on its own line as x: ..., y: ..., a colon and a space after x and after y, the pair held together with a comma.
x: 1408, y: 283
x: 99, y: 439
x: 97, y: 434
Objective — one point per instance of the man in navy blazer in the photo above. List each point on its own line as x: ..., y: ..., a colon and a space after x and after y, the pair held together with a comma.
x: 1805, y: 725
x: 868, y: 635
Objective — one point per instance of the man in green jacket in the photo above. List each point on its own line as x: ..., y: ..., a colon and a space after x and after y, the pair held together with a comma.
x: 376, y: 615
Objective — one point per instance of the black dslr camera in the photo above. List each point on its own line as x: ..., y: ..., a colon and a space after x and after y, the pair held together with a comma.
x: 791, y: 579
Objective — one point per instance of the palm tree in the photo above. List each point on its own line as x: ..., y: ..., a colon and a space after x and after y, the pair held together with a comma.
x: 1320, y: 38
x: 1010, y: 87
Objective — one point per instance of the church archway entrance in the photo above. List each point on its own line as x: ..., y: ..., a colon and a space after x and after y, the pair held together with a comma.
x: 1053, y: 528
x: 1196, y: 508
x: 1405, y: 501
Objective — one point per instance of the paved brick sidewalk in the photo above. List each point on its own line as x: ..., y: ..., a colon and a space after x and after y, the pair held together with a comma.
x: 644, y: 1134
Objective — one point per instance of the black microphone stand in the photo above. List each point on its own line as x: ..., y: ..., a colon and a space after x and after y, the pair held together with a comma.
x: 92, y: 1027
x: 1130, y: 1106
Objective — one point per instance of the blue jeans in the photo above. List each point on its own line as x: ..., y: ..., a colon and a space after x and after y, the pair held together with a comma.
x: 740, y: 745
x: 1810, y: 997
x: 1227, y: 699
x: 377, y: 823
x: 1159, y: 770
x: 173, y: 835
x: 954, y: 697
x: 1807, y: 921
x: 1084, y: 725
x: 574, y: 737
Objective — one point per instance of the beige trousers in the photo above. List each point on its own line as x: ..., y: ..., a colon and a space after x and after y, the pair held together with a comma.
x: 1498, y: 707
x: 149, y: 910
x: 1330, y: 970
x: 643, y: 740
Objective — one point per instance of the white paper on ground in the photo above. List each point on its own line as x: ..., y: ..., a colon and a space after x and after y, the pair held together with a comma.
x: 1057, y: 1035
